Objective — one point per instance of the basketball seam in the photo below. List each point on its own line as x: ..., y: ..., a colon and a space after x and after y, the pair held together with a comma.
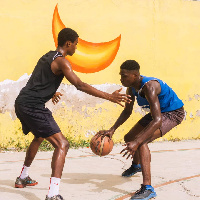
x: 101, y: 147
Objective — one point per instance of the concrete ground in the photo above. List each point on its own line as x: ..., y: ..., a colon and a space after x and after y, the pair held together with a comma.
x: 175, y: 174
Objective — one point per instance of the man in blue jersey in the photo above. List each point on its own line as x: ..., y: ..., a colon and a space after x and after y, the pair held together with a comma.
x: 166, y: 112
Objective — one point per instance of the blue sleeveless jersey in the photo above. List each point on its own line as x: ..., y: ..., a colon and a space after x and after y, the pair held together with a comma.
x: 168, y: 99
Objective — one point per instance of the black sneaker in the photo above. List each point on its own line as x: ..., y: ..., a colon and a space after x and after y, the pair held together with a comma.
x: 144, y: 193
x: 56, y: 197
x: 132, y: 170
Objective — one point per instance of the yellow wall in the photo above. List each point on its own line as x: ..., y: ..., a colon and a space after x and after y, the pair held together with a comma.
x: 162, y: 35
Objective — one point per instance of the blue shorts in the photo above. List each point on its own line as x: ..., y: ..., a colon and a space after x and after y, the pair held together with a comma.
x: 39, y: 121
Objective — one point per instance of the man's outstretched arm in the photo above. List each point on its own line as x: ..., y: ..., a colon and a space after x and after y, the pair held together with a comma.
x: 66, y: 69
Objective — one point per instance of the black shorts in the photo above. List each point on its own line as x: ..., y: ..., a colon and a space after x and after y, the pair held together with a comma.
x: 39, y: 121
x: 169, y: 120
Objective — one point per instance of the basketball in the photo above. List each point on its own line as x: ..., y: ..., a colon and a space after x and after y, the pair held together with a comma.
x: 101, y: 146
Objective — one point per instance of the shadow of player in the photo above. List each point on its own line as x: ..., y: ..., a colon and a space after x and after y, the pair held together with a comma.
x: 100, y: 181
x: 13, y: 190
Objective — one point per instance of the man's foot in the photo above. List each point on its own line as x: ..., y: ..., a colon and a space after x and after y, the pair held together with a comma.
x: 144, y: 193
x: 56, y: 197
x: 132, y: 170
x: 21, y: 183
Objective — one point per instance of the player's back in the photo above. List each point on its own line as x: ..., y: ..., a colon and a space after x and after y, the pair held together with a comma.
x: 42, y: 84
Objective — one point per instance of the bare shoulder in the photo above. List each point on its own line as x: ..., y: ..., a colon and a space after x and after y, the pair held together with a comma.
x: 60, y: 64
x: 152, y: 86
x: 152, y: 83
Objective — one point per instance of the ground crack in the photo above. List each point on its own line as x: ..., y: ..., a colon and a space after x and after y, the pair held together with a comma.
x: 188, y: 191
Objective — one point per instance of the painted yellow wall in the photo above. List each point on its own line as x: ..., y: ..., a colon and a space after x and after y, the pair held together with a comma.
x: 162, y: 35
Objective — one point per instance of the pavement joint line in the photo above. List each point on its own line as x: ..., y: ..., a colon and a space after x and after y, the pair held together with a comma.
x: 161, y: 185
x: 117, y: 159
x: 188, y: 191
x: 92, y: 155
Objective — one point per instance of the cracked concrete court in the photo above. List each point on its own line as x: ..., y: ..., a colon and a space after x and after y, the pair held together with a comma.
x: 175, y: 174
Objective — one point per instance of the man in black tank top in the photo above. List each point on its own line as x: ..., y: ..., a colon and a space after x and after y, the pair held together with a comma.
x: 30, y: 108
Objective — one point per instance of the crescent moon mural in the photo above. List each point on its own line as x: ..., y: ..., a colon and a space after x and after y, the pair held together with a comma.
x: 89, y: 57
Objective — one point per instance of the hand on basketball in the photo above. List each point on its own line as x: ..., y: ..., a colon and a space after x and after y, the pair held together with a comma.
x: 130, y: 149
x: 116, y: 97
x: 104, y: 133
x: 56, y: 97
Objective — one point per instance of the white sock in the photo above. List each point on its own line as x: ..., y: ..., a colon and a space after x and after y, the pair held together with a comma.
x: 54, y: 186
x: 24, y: 172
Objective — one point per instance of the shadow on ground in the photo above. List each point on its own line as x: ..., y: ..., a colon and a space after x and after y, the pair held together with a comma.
x: 4, y: 184
x: 100, y: 181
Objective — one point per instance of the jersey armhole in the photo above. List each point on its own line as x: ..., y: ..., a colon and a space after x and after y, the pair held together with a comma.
x: 54, y: 58
x: 139, y: 92
x: 57, y: 55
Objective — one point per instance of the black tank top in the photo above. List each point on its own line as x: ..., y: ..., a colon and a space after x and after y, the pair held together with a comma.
x: 42, y: 84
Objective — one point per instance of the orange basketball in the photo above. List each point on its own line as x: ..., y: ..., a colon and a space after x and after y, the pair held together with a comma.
x: 101, y: 146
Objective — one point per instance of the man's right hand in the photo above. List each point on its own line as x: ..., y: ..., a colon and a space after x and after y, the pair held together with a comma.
x: 104, y: 133
x: 116, y: 97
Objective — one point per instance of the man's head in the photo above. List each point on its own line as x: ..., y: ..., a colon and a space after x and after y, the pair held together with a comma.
x: 130, y: 73
x: 69, y: 38
x: 130, y: 65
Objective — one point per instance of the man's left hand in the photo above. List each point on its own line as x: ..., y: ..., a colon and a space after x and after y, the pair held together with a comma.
x: 56, y: 97
x: 130, y: 149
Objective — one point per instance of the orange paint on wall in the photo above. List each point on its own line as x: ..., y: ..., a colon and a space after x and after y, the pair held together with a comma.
x: 89, y: 57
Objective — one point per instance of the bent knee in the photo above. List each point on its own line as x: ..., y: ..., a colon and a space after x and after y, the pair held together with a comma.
x: 67, y: 144
x: 63, y: 144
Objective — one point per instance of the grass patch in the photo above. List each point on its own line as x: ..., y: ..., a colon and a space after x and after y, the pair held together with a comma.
x: 75, y: 142
x: 12, y: 145
x: 47, y: 146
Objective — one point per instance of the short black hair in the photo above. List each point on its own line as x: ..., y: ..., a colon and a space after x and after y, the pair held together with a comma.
x: 66, y: 34
x: 130, y: 65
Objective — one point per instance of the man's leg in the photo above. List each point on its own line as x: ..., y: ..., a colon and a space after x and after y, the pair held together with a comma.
x: 61, y: 146
x: 24, y: 180
x: 169, y: 120
x: 32, y: 151
x: 145, y: 158
x: 146, y: 191
x: 130, y: 136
